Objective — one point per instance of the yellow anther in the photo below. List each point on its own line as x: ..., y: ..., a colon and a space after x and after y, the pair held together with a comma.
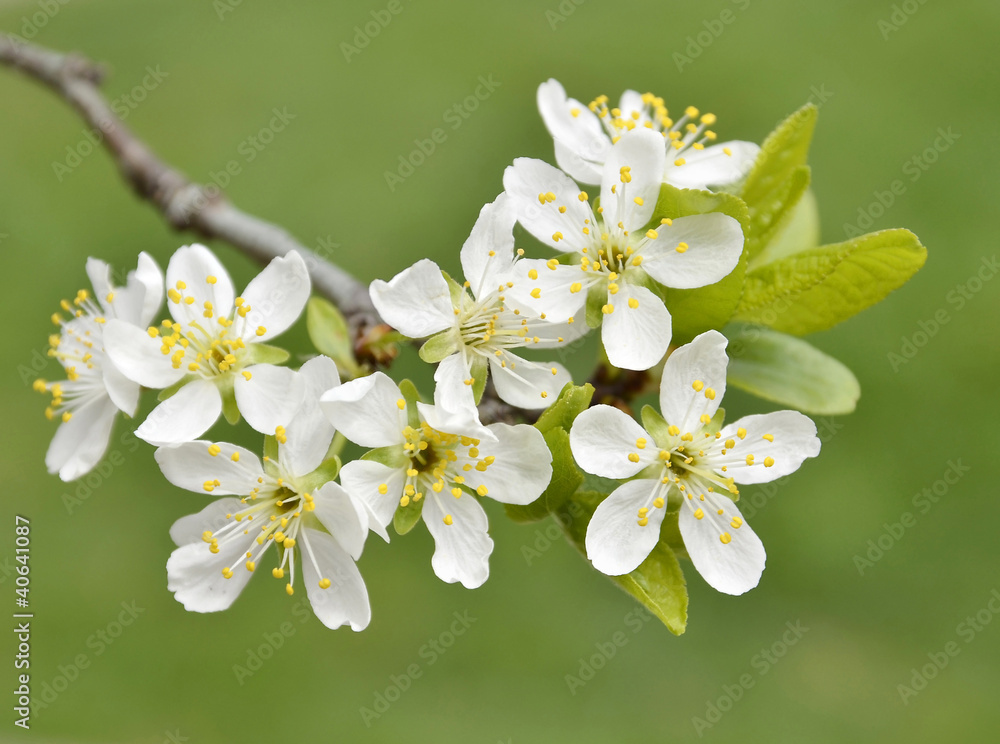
x: 768, y: 437
x: 448, y: 520
x: 575, y: 287
x: 640, y: 443
x: 583, y: 196
x: 705, y: 419
x: 251, y: 566
x: 211, y: 279
x: 741, y: 433
x: 261, y: 330
x: 673, y: 431
x: 725, y: 538
x: 633, y: 457
x: 557, y: 236
x: 658, y: 502
x: 536, y: 292
x: 482, y: 490
x: 710, y: 393
x: 680, y: 161
x: 698, y: 386
x: 633, y: 303
x: 638, y: 200
x: 699, y: 514
x: 324, y: 583
x: 736, y: 523
x: 246, y: 375
x: 749, y: 459
x: 214, y: 449
x: 608, y: 309
x: 768, y: 462
x: 277, y: 573
x: 708, y: 119
x: 289, y: 589
x: 682, y: 247
x: 227, y: 573
x: 727, y: 151
x: 730, y: 443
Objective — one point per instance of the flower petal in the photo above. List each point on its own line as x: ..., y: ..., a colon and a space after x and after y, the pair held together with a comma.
x: 190, y: 529
x: 342, y: 516
x: 732, y: 567
x: 575, y: 129
x: 184, y: 416
x: 637, y: 333
x: 694, y: 381
x: 366, y: 410
x: 138, y: 356
x: 276, y: 297
x: 80, y: 443
x: 195, y: 272
x: 310, y: 432
x: 712, y: 243
x: 99, y: 274
x: 270, y: 398
x: 416, y: 302
x: 616, y: 542
x: 712, y: 166
x: 527, y: 384
x: 461, y: 549
x: 363, y: 479
x: 527, y: 182
x: 521, y: 469
x: 191, y: 465
x: 150, y: 276
x: 779, y: 442
x: 632, y: 203
x: 345, y: 601
x: 559, y: 293
x: 450, y: 391
x: 605, y: 441
x: 579, y: 168
x: 488, y: 253
x: 123, y: 391
x: 194, y: 574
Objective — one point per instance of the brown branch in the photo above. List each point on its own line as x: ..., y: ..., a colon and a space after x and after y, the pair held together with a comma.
x: 185, y: 205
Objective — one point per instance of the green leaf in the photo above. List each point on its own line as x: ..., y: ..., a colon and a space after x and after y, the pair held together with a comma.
x: 800, y: 233
x: 392, y: 456
x: 779, y: 176
x: 572, y: 401
x: 790, y: 371
x: 326, y: 472
x: 330, y: 335
x: 658, y: 583
x: 566, y: 478
x: 480, y: 371
x: 819, y: 288
x: 406, y: 517
x: 440, y: 346
x: 695, y: 311
x: 265, y: 354
x: 412, y: 397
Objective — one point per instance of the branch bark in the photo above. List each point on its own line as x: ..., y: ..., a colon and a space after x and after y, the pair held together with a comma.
x: 183, y: 204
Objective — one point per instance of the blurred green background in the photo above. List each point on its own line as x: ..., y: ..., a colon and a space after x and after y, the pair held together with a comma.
x: 889, y: 79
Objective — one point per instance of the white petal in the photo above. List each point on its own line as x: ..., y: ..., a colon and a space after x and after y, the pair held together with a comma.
x: 450, y: 391
x: 635, y: 337
x: 193, y: 266
x: 99, y: 274
x: 578, y: 167
x: 461, y: 549
x: 80, y: 443
x: 463, y: 421
x: 192, y: 464
x: 630, y: 101
x: 345, y: 601
x: 528, y: 178
x: 574, y: 127
x: 123, y: 391
x: 734, y: 567
x: 150, y: 276
x: 363, y: 479
x: 270, y: 397
x: 184, y: 416
x: 194, y: 574
x: 522, y: 467
x: 794, y: 439
x: 712, y: 166
x: 522, y: 383
x: 640, y: 150
x: 488, y: 253
x: 138, y: 356
x: 603, y: 437
x: 190, y: 529
x: 714, y: 244
x: 416, y: 302
x: 365, y: 410
x: 310, y: 432
x: 688, y: 375
x: 276, y: 297
x: 553, y: 289
x: 616, y: 542
x: 342, y: 516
